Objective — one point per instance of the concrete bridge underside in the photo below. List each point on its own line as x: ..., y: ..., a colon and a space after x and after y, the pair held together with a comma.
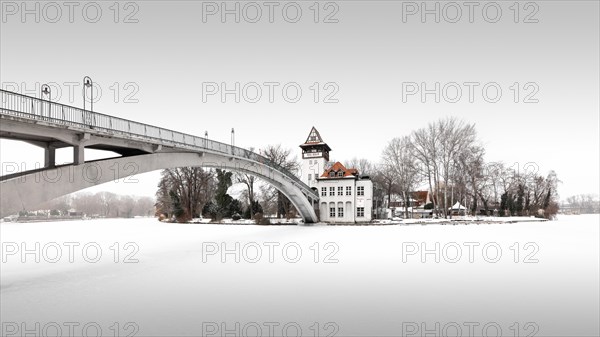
x: 30, y: 189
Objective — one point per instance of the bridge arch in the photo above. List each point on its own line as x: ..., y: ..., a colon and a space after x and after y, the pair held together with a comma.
x: 30, y: 189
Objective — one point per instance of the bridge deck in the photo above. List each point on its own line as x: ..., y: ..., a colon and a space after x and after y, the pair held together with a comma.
x: 21, y: 108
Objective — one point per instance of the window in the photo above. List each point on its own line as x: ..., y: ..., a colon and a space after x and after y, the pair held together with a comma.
x: 309, y: 177
x: 360, y: 190
x: 341, y: 212
x: 332, y: 191
x: 323, y: 191
x: 348, y: 190
x: 332, y: 212
x: 360, y: 212
x: 340, y: 174
x: 340, y: 190
x: 331, y: 174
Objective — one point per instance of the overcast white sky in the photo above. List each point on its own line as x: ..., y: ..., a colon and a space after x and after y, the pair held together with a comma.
x: 159, y: 69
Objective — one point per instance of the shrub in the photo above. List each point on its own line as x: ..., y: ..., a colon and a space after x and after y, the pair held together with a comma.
x: 261, y: 220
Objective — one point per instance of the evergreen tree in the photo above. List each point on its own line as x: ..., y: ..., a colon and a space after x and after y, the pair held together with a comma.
x: 234, y: 209
x: 520, y: 199
x: 226, y: 205
x: 177, y: 209
x: 210, y: 210
x: 503, y: 204
x: 256, y: 208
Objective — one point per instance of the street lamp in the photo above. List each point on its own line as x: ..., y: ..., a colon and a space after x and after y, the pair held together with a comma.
x: 232, y: 141
x: 45, y: 91
x: 87, y: 82
x: 206, y: 139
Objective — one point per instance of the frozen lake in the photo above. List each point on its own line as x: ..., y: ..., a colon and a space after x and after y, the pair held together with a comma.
x: 140, y: 277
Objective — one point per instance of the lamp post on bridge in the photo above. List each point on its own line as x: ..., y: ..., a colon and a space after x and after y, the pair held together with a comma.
x: 45, y: 90
x: 232, y: 141
x: 87, y: 82
x: 206, y: 139
x: 49, y: 151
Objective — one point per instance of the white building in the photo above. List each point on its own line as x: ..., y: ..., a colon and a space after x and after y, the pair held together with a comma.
x: 345, y: 195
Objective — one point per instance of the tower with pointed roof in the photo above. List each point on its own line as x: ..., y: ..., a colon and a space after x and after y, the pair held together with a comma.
x: 315, y: 157
x: 345, y: 196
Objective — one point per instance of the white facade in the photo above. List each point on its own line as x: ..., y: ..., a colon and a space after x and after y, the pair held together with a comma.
x: 345, y: 197
x: 345, y: 200
x: 312, y: 168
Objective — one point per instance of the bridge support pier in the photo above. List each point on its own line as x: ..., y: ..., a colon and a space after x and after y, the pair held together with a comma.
x: 49, y: 156
x: 78, y: 157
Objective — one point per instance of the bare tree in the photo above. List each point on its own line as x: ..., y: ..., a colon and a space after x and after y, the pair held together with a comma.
x: 456, y: 136
x: 437, y: 148
x: 186, y: 190
x: 471, y: 166
x: 385, y: 179
x: 109, y: 202
x: 425, y: 150
x: 584, y: 203
x: 398, y: 157
x: 364, y: 166
x: 87, y: 203
x: 126, y: 206
x: 492, y: 183
x: 281, y: 157
x: 268, y: 197
x: 248, y: 180
x: 144, y: 206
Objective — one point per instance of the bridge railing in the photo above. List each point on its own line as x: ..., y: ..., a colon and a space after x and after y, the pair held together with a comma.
x: 56, y: 113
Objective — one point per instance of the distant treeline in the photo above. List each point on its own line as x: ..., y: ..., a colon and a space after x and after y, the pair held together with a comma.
x: 101, y: 204
x: 582, y: 204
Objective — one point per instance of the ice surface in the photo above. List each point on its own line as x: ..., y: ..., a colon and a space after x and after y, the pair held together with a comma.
x: 375, y: 288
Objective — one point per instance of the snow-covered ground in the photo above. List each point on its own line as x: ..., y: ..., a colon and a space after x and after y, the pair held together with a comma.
x: 458, y: 220
x: 163, y: 279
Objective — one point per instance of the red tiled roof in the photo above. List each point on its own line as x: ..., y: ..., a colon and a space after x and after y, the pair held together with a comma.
x: 420, y: 196
x: 337, y: 167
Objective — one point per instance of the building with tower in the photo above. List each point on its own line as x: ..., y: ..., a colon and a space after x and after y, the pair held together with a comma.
x: 346, y: 196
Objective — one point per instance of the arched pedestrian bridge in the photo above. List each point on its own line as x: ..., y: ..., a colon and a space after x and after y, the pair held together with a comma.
x: 143, y: 148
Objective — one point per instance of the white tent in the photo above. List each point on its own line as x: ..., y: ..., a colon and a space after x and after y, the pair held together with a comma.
x: 457, y: 207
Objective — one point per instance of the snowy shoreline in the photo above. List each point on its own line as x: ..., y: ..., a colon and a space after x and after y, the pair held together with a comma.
x: 402, y: 222
x: 294, y: 222
x: 463, y: 221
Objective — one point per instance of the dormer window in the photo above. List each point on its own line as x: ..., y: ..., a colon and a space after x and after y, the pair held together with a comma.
x: 340, y: 174
x: 331, y: 174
